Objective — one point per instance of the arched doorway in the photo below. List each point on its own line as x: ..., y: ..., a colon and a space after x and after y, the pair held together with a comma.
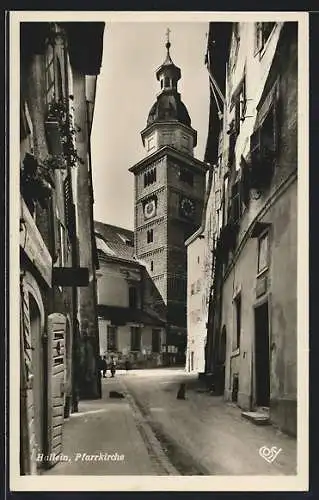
x: 38, y: 371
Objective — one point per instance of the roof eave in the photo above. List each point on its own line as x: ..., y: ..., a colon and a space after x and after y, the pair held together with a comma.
x: 170, y: 151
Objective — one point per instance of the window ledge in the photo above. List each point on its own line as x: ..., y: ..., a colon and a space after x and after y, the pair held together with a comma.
x: 235, y: 353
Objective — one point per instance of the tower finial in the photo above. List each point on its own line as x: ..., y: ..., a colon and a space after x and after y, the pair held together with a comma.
x: 168, y: 44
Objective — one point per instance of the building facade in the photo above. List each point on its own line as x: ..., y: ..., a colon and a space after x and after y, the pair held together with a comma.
x: 251, y: 332
x: 203, y: 275
x: 49, y: 155
x: 169, y: 192
x: 126, y: 331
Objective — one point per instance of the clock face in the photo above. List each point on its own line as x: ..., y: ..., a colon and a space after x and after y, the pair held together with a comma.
x: 150, y: 209
x: 187, y: 207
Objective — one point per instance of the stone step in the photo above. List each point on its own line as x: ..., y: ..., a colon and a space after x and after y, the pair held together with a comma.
x: 257, y: 417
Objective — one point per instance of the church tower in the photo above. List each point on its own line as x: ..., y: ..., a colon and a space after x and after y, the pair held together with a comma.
x: 169, y: 194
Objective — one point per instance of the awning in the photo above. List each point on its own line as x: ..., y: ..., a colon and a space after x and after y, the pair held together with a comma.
x: 123, y: 315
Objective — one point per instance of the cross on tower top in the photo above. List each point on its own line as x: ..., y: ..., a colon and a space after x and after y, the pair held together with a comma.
x: 167, y: 34
x: 168, y: 44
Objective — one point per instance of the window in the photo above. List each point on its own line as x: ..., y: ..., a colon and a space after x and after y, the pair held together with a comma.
x: 162, y: 83
x: 150, y: 177
x: 263, y: 253
x: 237, y: 303
x: 235, y: 207
x: 219, y: 219
x: 192, y: 288
x: 186, y: 176
x: 263, y: 146
x: 59, y: 82
x: 62, y: 236
x: 198, y: 259
x: 111, y: 338
x: 225, y: 200
x: 49, y: 74
x: 263, y: 32
x: 240, y: 103
x: 150, y: 236
x: 185, y: 142
x: 166, y: 82
x: 156, y: 340
x: 198, y: 286
x: 152, y: 265
x: 132, y: 297
x: 135, y: 338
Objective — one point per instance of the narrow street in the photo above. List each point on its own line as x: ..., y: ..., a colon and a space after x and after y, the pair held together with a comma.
x: 160, y: 435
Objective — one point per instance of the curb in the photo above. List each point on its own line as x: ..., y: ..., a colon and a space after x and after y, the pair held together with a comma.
x: 152, y: 443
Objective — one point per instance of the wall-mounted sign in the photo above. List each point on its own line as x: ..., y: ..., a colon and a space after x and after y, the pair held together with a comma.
x: 70, y: 276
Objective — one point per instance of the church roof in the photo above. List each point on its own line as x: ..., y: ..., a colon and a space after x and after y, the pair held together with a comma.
x: 169, y: 106
x: 115, y: 241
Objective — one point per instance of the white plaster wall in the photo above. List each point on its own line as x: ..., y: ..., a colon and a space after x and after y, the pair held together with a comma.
x: 169, y: 134
x: 196, y: 308
x: 112, y: 284
x: 103, y: 335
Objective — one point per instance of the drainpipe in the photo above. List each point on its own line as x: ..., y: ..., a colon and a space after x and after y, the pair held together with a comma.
x: 75, y: 264
x: 93, y: 242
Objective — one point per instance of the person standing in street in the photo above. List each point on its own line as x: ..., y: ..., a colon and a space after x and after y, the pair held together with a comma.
x: 112, y: 367
x: 104, y: 366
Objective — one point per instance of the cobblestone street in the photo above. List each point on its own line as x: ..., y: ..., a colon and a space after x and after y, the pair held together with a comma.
x: 160, y: 435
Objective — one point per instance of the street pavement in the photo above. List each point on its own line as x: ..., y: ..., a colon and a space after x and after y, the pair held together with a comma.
x: 160, y: 435
x: 108, y: 437
x: 205, y: 435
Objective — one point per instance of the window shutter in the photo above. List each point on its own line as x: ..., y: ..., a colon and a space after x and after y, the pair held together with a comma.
x: 56, y: 380
x: 255, y: 144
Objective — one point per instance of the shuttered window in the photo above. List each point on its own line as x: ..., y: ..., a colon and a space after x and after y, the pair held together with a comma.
x: 135, y: 338
x: 111, y: 338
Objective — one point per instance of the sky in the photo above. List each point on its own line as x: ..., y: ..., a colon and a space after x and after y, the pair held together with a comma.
x: 126, y: 90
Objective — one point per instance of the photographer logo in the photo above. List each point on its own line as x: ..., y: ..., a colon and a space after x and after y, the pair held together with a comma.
x: 269, y: 454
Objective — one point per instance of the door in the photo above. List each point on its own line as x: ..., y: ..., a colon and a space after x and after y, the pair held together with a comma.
x: 192, y: 361
x: 37, y: 366
x: 28, y: 440
x: 262, y: 358
x: 56, y: 380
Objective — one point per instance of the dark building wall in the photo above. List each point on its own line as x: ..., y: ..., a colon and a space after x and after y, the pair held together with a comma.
x: 52, y: 299
x: 89, y: 386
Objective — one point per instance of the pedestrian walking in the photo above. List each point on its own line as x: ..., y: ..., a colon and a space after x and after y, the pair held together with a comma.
x: 113, y: 367
x: 104, y: 366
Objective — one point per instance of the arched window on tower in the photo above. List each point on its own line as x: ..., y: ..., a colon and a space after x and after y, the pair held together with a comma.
x: 162, y: 83
x: 166, y: 82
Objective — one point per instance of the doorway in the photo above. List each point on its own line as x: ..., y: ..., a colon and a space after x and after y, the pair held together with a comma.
x: 37, y: 366
x: 192, y: 361
x: 262, y: 358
